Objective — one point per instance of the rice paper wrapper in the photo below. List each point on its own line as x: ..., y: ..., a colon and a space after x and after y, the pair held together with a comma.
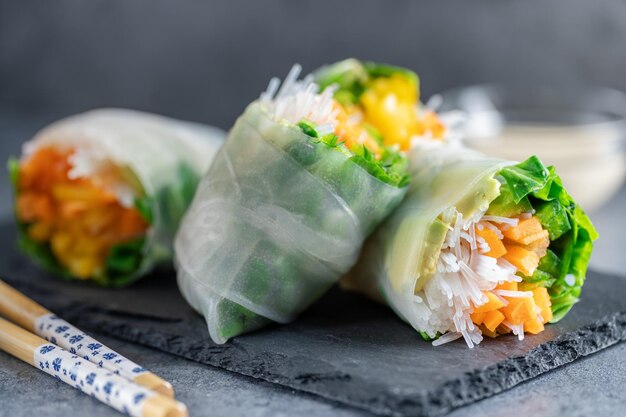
x: 275, y: 223
x: 166, y: 156
x: 443, y: 175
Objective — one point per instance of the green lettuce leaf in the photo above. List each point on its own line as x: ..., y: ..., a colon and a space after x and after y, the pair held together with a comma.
x: 506, y: 205
x: 122, y: 263
x: 564, y: 266
x: 525, y: 178
x: 554, y: 218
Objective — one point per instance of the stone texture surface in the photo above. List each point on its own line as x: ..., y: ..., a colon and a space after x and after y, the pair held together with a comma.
x: 345, y: 349
x: 593, y: 386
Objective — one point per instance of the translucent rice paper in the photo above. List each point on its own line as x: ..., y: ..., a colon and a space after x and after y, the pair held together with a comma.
x: 398, y: 253
x: 275, y: 222
x: 166, y: 156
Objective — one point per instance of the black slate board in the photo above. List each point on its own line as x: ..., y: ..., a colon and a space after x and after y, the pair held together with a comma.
x: 345, y: 348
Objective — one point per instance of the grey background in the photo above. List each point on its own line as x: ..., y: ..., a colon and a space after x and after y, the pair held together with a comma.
x: 205, y: 60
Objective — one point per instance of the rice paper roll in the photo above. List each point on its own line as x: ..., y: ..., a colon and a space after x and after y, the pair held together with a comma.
x: 284, y: 209
x: 480, y: 246
x: 99, y: 195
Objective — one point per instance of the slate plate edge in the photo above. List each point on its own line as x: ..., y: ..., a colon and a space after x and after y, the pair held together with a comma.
x: 469, y: 388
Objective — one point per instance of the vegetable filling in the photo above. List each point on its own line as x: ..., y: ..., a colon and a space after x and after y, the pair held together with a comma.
x: 378, y: 105
x: 488, y: 260
x: 328, y: 122
x: 79, y: 218
x: 370, y: 112
x: 513, y: 267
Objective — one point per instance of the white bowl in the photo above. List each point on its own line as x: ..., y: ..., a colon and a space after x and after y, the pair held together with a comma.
x: 582, y: 132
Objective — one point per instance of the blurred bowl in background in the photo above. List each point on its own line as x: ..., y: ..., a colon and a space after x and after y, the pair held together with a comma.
x: 582, y: 132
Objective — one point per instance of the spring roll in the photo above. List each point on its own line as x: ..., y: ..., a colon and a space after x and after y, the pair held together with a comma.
x: 479, y: 247
x: 282, y: 213
x: 99, y: 195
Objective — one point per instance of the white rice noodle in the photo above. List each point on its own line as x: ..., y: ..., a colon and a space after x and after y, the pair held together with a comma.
x: 492, y: 227
x: 296, y: 100
x: 513, y: 294
x: 510, y: 268
x: 447, y: 338
x: 463, y: 274
x: 91, y: 162
x: 517, y: 329
x: 325, y: 129
x: 483, y: 246
x: 505, y: 302
x: 473, y: 236
x: 511, y: 221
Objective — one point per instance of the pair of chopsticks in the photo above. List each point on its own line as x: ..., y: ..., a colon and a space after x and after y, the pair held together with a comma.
x: 53, y: 345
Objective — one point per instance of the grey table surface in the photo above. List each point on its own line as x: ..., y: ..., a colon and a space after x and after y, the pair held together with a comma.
x: 591, y: 386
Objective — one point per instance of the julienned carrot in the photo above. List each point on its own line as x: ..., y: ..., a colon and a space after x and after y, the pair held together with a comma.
x: 493, y: 319
x: 526, y: 227
x: 526, y: 261
x: 496, y: 247
x: 533, y: 326
x: 520, y: 310
x: 493, y: 303
x: 542, y: 299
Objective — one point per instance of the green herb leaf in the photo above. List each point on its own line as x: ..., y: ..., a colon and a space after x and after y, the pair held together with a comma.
x: 391, y: 169
x: 144, y: 206
x: 308, y: 128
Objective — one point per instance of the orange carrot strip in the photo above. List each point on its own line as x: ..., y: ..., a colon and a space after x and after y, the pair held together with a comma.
x: 520, y: 310
x: 542, y: 299
x: 533, y: 326
x: 493, y: 303
x: 493, y: 319
x: 524, y: 260
x: 496, y: 247
x: 508, y: 286
x: 477, y: 318
x: 525, y: 228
